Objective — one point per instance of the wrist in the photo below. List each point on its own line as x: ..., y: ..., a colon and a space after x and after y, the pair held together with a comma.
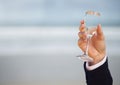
x: 98, y: 58
x: 92, y: 67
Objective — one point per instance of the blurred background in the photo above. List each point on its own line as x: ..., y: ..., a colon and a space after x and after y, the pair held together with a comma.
x: 38, y: 40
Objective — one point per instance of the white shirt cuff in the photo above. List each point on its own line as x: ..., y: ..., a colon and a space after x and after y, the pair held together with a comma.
x: 96, y: 65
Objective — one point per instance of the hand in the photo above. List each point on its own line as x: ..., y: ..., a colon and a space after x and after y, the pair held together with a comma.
x: 97, y: 48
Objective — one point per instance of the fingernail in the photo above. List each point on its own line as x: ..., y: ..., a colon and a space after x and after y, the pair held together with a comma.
x: 82, y: 22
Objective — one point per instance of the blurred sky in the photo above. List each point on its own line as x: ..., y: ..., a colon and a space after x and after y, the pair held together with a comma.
x: 56, y: 12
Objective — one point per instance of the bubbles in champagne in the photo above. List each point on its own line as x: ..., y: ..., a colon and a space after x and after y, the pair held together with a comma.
x: 90, y: 12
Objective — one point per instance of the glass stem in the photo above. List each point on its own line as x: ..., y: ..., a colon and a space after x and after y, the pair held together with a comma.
x: 87, y: 44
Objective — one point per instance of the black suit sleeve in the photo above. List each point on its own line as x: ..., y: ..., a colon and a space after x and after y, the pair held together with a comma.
x: 99, y: 76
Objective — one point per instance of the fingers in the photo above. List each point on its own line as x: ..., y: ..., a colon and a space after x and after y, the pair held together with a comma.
x: 82, y: 34
x: 82, y: 40
x: 100, y: 34
x: 82, y: 27
x: 82, y: 44
x: 82, y: 21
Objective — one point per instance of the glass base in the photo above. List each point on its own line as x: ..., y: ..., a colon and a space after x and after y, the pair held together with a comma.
x: 85, y: 58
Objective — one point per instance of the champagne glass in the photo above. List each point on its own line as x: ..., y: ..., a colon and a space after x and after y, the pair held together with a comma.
x: 88, y: 18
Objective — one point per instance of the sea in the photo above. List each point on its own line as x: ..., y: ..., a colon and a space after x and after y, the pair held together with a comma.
x: 46, y: 55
